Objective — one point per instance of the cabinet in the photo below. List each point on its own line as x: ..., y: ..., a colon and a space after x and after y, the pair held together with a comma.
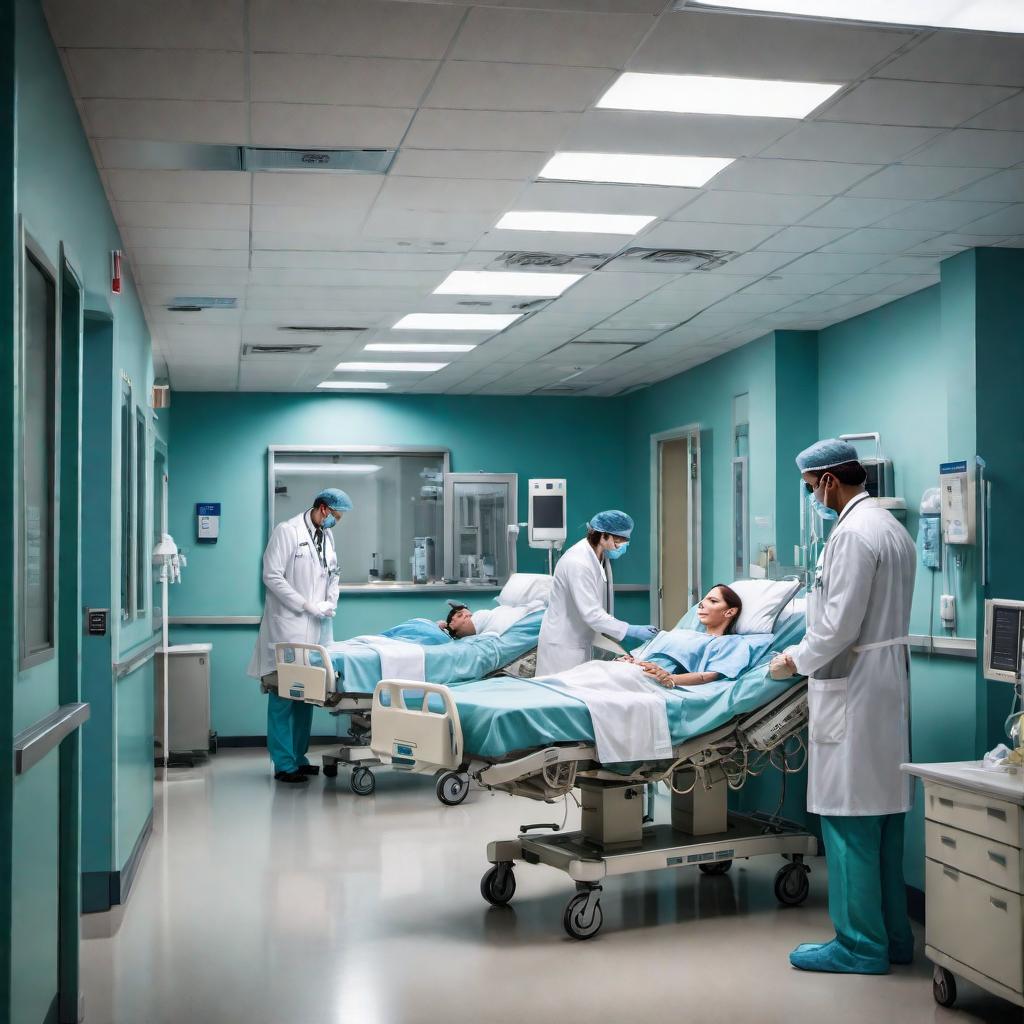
x: 188, y: 697
x: 974, y: 878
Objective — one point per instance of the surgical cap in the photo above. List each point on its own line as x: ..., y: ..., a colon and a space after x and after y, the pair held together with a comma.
x: 334, y: 498
x: 826, y: 454
x: 612, y: 521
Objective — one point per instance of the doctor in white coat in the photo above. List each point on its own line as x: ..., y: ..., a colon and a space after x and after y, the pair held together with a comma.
x: 578, y: 607
x: 856, y: 653
x: 300, y: 573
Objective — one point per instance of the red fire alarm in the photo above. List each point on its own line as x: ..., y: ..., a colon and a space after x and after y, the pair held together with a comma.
x: 115, y: 271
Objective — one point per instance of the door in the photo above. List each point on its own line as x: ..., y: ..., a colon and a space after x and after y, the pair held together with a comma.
x: 676, y: 466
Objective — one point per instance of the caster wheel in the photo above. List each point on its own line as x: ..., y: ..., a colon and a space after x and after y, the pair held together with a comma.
x: 451, y: 788
x: 213, y: 743
x: 720, y: 867
x: 498, y: 885
x: 943, y: 987
x: 573, y: 921
x: 330, y: 770
x: 363, y: 782
x: 791, y: 885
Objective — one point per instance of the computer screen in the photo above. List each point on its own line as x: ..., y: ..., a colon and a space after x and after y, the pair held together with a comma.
x: 1004, y: 654
x: 548, y: 512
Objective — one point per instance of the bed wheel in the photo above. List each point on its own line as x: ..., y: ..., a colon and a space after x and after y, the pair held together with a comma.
x: 451, y: 788
x: 573, y: 921
x: 498, y: 885
x: 363, y: 782
x: 791, y: 885
x: 331, y: 770
x: 719, y: 867
x: 943, y: 987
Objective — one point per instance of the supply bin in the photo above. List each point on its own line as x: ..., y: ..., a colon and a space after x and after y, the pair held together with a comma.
x: 188, y: 690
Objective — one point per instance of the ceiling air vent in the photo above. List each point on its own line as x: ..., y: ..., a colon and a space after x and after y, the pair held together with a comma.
x: 560, y: 389
x: 474, y: 302
x: 345, y: 161
x: 279, y: 350
x: 197, y: 303
x: 678, y: 259
x: 556, y: 261
x: 322, y: 328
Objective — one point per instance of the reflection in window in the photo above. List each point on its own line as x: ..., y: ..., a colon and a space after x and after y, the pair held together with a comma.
x: 127, y: 497
x: 481, y: 507
x: 141, y: 548
x: 38, y: 461
x: 395, y: 531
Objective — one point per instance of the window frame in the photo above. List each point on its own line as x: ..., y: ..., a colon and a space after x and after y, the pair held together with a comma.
x: 140, y: 425
x: 126, y: 468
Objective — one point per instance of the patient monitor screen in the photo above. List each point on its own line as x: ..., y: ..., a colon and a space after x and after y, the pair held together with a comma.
x: 548, y: 512
x: 1005, y: 649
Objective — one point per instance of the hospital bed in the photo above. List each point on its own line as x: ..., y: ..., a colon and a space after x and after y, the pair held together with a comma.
x: 341, y: 677
x: 529, y: 740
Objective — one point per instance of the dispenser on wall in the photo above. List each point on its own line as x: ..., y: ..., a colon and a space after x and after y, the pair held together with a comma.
x: 956, y: 487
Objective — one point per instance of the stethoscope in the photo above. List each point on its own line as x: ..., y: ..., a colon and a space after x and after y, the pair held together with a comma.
x: 323, y: 554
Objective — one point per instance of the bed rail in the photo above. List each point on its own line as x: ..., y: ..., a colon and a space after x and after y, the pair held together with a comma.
x: 298, y: 679
x: 416, y: 739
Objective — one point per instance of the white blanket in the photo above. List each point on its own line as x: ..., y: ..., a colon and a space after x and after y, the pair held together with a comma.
x: 399, y: 659
x: 628, y: 711
x: 504, y: 617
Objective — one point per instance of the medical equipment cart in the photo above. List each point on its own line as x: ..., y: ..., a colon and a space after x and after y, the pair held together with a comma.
x: 974, y: 878
x: 188, y: 694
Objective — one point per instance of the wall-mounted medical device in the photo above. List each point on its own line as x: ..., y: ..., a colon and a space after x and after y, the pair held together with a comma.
x: 881, y: 481
x: 208, y: 522
x: 546, y: 516
x: 1004, y: 640
x: 956, y: 493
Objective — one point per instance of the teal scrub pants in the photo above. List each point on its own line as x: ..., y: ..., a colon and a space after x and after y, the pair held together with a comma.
x: 867, y: 896
x: 288, y: 726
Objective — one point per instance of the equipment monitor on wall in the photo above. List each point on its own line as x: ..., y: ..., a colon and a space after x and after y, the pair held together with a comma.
x: 546, y: 519
x: 1004, y: 640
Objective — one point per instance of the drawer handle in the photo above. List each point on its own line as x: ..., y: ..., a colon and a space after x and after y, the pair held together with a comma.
x: 951, y: 873
x: 945, y: 801
x: 997, y: 857
x: 949, y: 841
x: 995, y: 812
x: 998, y: 904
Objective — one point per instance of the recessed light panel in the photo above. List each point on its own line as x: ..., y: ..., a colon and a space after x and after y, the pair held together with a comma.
x: 487, y: 282
x: 705, y: 94
x: 577, y: 223
x: 425, y: 347
x: 389, y: 367
x: 635, y: 168
x: 485, y: 322
x: 353, y: 385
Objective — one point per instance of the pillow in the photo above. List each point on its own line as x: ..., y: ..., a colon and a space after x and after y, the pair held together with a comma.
x: 525, y: 588
x: 763, y: 603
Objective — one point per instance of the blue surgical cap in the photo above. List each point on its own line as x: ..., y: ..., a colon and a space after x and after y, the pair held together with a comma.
x: 826, y: 454
x: 334, y: 498
x: 612, y: 521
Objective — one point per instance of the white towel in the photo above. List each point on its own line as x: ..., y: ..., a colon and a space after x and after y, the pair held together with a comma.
x: 399, y: 659
x: 629, y: 714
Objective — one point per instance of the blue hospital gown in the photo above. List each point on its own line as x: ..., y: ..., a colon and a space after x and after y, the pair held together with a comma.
x: 687, y: 650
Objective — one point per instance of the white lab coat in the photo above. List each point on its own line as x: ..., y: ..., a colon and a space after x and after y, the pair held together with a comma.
x: 577, y: 609
x: 857, y: 656
x: 292, y: 575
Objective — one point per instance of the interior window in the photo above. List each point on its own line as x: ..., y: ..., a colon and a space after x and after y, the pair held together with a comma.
x: 127, y: 497
x: 142, y: 549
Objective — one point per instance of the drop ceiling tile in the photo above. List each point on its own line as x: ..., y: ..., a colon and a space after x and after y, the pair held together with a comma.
x: 748, y: 208
x: 1004, y: 187
x: 420, y: 224
x: 298, y: 124
x: 440, y: 263
x: 755, y: 263
x: 211, y: 216
x: 845, y: 212
x: 878, y: 240
x: 834, y: 263
x: 886, y: 101
x: 866, y: 284
x: 797, y: 283
x: 158, y: 74
x: 716, y: 43
x: 924, y: 266
x: 423, y: 280
x: 463, y: 163
x: 554, y: 242
x: 593, y: 198
x: 908, y: 285
x: 940, y: 215
x: 322, y: 191
x: 194, y: 277
x: 311, y: 219
x: 972, y: 147
x: 166, y: 257
x: 946, y: 245
x: 219, y: 337
x: 584, y: 354
x: 177, y: 238
x: 479, y: 129
x: 638, y: 337
x: 606, y: 293
x: 167, y: 120
x: 475, y: 85
x: 713, y: 283
x: 361, y: 28
x: 178, y: 186
x: 585, y: 39
x: 981, y: 58
x: 751, y: 302
x: 678, y: 235
x: 446, y: 195
x: 817, y: 304
x: 1008, y: 221
x: 147, y: 23
x: 862, y: 143
x: 904, y: 182
x: 791, y: 177
x: 1007, y: 116
x: 801, y: 239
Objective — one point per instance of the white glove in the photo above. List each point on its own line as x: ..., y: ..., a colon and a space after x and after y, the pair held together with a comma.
x: 326, y: 609
x: 316, y: 610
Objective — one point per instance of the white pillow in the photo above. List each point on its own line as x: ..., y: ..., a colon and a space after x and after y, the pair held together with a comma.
x: 525, y: 588
x: 763, y: 602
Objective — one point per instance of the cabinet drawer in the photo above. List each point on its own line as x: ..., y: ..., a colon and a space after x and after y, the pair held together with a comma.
x: 976, y: 923
x: 984, y: 858
x: 984, y: 816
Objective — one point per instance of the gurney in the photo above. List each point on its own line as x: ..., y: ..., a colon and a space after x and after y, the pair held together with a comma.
x: 524, y: 739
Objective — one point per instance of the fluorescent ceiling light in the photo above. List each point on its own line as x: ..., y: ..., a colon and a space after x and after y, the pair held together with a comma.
x: 704, y: 94
x: 635, y: 168
x: 290, y: 469
x: 389, y: 367
x: 487, y: 322
x: 353, y: 385
x: 980, y: 15
x: 487, y: 282
x: 424, y: 347
x: 582, y: 223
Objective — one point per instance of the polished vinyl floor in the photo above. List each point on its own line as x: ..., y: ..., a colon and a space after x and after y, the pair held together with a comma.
x: 261, y: 904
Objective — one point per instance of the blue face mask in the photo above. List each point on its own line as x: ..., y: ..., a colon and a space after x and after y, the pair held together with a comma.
x: 618, y: 552
x: 823, y: 510
x: 329, y: 522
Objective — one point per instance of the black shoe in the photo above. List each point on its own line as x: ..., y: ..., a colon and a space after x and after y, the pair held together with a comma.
x: 309, y: 769
x: 292, y: 777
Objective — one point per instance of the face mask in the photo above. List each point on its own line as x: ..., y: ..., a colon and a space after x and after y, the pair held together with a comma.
x: 823, y: 510
x: 329, y: 521
x: 618, y: 552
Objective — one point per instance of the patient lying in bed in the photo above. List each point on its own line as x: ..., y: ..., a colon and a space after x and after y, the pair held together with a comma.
x: 687, y: 657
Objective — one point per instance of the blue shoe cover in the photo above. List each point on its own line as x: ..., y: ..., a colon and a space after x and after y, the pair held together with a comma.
x: 834, y: 958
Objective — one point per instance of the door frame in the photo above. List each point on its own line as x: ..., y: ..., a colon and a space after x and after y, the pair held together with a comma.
x: 691, y: 434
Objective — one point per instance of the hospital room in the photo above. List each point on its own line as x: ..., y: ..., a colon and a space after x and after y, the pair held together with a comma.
x: 510, y: 510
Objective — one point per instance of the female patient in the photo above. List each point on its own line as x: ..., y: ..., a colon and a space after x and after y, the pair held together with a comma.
x: 686, y: 657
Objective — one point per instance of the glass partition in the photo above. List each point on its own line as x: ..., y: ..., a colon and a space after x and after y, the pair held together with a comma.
x: 479, y: 508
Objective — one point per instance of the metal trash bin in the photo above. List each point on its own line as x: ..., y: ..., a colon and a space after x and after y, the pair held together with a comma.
x: 188, y: 694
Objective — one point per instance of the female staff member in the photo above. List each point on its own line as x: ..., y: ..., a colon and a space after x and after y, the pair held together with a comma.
x: 578, y: 607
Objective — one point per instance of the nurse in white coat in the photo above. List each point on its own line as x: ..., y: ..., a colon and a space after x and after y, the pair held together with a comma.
x: 300, y: 573
x: 579, y: 602
x: 856, y: 653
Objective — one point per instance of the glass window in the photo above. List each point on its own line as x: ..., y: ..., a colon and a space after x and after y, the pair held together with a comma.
x: 159, y: 471
x: 395, y: 531
x: 480, y: 508
x: 127, y: 497
x: 38, y: 454
x: 142, y: 549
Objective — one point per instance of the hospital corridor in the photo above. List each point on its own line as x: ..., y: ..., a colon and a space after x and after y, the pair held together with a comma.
x: 510, y: 509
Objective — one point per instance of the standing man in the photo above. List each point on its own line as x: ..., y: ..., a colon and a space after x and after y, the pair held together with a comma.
x: 857, y: 657
x: 300, y: 572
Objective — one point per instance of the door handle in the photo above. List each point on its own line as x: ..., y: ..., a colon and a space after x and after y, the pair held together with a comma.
x: 949, y: 841
x: 998, y: 858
